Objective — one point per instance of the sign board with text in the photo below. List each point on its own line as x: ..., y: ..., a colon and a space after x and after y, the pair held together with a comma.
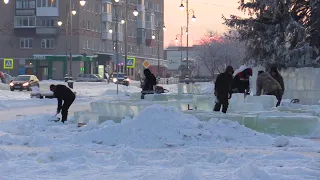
x: 8, y: 63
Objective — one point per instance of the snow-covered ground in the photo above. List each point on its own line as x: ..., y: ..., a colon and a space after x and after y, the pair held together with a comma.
x: 158, y: 144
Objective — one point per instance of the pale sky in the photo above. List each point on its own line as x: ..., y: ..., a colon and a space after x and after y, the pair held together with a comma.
x: 207, y: 12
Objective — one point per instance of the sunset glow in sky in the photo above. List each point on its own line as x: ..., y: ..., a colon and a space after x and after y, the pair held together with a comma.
x: 207, y: 12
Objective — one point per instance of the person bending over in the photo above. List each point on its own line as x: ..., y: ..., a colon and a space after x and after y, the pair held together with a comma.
x: 63, y: 93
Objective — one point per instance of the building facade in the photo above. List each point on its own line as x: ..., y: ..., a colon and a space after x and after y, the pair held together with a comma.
x: 30, y: 35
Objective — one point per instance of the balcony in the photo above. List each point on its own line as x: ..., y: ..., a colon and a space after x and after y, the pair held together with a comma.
x: 47, y: 11
x: 25, y: 12
x: 24, y: 22
x: 106, y: 36
x: 106, y: 17
x: 46, y: 30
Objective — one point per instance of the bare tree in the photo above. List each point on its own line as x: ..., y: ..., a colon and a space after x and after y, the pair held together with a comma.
x: 215, y: 52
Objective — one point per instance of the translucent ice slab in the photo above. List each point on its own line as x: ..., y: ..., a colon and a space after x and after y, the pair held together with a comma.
x: 184, y: 88
x: 267, y: 101
x: 204, y: 102
x: 286, y: 123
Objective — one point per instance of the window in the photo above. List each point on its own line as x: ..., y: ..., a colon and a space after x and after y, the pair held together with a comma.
x: 84, y: 45
x: 25, y: 21
x: 22, y: 4
x: 48, y: 23
x: 106, y: 8
x: 47, y: 43
x: 26, y: 43
x: 88, y: 25
x: 47, y: 3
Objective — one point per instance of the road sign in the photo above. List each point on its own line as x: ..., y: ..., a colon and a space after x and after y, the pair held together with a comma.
x: 145, y: 64
x: 8, y: 63
x: 131, y: 62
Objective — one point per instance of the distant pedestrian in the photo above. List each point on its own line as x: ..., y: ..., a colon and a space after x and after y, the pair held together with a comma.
x: 2, y: 77
x: 223, y: 89
x: 277, y: 76
x: 269, y: 86
x: 63, y: 93
x: 241, y: 81
x: 149, y: 84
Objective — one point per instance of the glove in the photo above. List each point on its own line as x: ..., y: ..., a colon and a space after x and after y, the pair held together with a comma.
x: 229, y: 96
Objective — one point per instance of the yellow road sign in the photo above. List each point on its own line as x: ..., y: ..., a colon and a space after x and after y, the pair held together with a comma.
x: 145, y: 64
x: 8, y: 63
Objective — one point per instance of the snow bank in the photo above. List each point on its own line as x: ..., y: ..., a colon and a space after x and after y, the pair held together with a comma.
x: 157, y: 126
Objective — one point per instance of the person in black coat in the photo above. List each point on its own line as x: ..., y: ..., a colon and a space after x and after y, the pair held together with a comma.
x: 149, y: 82
x: 241, y: 83
x: 63, y: 93
x: 223, y: 89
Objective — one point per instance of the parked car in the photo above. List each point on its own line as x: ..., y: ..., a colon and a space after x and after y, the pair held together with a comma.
x: 120, y: 78
x: 90, y: 78
x: 24, y: 82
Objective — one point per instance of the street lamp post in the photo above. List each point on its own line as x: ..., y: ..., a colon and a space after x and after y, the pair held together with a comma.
x: 187, y: 29
x: 125, y: 22
x: 117, y: 45
x: 159, y: 26
x: 72, y: 12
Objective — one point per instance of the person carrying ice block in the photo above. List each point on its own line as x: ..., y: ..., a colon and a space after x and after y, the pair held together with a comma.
x: 223, y: 89
x: 269, y: 85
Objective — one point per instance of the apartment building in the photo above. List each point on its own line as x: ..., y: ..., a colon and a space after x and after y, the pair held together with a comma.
x: 30, y: 34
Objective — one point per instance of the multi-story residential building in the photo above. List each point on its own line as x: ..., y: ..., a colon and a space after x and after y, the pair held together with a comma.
x: 29, y: 34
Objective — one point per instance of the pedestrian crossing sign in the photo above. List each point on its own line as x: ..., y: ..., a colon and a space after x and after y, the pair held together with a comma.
x: 131, y: 62
x: 7, y: 63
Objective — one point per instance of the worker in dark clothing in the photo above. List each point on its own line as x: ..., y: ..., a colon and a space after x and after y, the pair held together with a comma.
x: 63, y: 93
x: 149, y: 82
x: 241, y: 83
x: 223, y: 89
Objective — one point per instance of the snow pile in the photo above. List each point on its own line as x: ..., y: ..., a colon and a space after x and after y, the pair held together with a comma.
x: 250, y: 171
x: 157, y: 126
x: 281, y: 141
x: 4, y: 86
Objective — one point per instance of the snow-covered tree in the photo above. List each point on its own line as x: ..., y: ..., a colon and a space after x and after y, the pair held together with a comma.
x: 276, y: 32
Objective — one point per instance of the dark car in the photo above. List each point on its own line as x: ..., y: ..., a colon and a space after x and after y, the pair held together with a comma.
x: 120, y: 78
x: 24, y: 82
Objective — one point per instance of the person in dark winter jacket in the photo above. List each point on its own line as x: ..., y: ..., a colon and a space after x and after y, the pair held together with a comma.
x: 241, y: 82
x: 63, y: 93
x: 223, y: 89
x: 149, y: 82
x: 277, y: 76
